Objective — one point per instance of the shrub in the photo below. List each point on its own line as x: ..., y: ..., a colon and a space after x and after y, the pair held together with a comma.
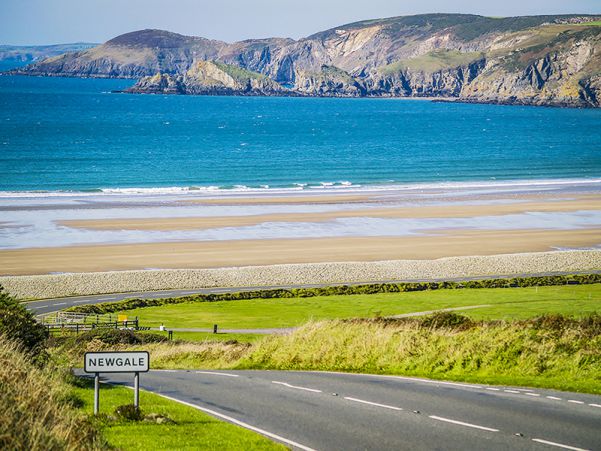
x: 129, y: 412
x: 19, y: 325
x: 450, y: 320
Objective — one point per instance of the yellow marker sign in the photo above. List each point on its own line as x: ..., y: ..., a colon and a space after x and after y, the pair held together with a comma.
x: 121, y: 318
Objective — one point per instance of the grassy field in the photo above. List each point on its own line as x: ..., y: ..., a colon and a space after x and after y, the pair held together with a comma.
x: 514, y: 303
x: 209, y: 336
x: 192, y: 429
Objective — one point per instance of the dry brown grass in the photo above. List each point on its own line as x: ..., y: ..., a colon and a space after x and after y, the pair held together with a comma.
x: 36, y: 409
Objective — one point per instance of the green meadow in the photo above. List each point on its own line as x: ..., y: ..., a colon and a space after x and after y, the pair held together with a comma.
x: 496, y: 303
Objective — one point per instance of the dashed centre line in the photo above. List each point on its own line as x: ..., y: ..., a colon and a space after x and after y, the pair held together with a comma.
x: 595, y: 405
x: 461, y: 423
x: 559, y: 445
x: 61, y: 303
x: 385, y: 406
x: 532, y: 394
x: 285, y: 384
x: 554, y: 398
x: 511, y: 391
x: 575, y: 401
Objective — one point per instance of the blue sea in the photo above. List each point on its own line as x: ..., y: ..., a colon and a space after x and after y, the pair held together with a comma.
x: 62, y: 134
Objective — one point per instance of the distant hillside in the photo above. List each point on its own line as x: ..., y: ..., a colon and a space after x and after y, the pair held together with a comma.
x: 19, y: 55
x: 541, y: 60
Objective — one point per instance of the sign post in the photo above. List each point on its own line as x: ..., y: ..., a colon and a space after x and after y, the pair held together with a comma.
x: 116, y: 362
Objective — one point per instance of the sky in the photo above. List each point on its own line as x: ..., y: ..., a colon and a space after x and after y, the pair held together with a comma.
x: 33, y: 22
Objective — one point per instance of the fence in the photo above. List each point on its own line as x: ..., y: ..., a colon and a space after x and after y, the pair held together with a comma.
x: 79, y: 322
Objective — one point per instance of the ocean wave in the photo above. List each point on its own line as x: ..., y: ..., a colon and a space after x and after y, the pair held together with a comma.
x: 340, y: 186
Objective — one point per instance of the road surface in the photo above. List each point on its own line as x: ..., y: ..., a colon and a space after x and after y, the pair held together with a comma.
x: 334, y: 411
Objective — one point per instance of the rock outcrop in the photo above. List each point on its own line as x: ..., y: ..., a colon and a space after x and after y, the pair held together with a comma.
x: 537, y: 60
x: 210, y: 78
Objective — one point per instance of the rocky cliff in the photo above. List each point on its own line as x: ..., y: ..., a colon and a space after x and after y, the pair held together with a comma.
x: 540, y: 60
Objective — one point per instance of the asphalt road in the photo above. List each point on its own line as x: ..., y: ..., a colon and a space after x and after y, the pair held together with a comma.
x: 53, y: 305
x: 333, y: 411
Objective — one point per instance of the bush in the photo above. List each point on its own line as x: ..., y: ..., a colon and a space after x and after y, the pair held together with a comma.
x: 129, y: 412
x: 19, y: 325
x: 449, y: 320
x: 118, y: 337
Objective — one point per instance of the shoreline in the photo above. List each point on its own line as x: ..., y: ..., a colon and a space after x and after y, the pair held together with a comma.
x: 262, y: 252
x: 89, y: 283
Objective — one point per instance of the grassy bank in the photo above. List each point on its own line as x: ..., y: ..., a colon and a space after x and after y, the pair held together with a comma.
x: 552, y: 352
x: 37, y: 408
x: 496, y: 303
x: 175, y: 426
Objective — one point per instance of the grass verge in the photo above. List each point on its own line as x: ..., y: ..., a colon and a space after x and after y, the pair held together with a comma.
x: 185, y: 428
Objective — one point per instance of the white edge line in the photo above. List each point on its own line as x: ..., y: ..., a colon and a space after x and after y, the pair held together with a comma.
x: 279, y: 438
x: 559, y: 445
x: 217, y: 374
x: 407, y: 378
x: 373, y: 403
x: 461, y: 423
x: 297, y: 387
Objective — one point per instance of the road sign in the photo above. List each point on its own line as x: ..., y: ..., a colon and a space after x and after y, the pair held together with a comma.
x: 116, y: 362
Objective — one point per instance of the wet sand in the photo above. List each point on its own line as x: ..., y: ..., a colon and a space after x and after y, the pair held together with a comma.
x: 218, y: 254
x: 424, y: 211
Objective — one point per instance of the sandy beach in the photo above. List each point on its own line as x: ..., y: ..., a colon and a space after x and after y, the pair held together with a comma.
x: 218, y: 254
x: 438, y: 211
x: 98, y: 244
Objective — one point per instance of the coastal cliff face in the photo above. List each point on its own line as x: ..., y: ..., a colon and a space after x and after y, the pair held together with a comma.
x: 209, y: 78
x: 540, y: 60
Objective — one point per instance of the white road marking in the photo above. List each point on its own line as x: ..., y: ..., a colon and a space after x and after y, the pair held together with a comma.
x: 417, y: 379
x: 189, y: 292
x: 493, y: 389
x: 60, y: 303
x: 532, y: 394
x: 297, y: 387
x: 595, y: 405
x: 106, y: 299
x: 79, y: 302
x: 218, y: 374
x: 511, y: 391
x: 461, y: 423
x: 555, y: 398
x: 559, y: 445
x: 575, y: 402
x: 373, y: 403
x: 40, y: 306
x: 279, y: 438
